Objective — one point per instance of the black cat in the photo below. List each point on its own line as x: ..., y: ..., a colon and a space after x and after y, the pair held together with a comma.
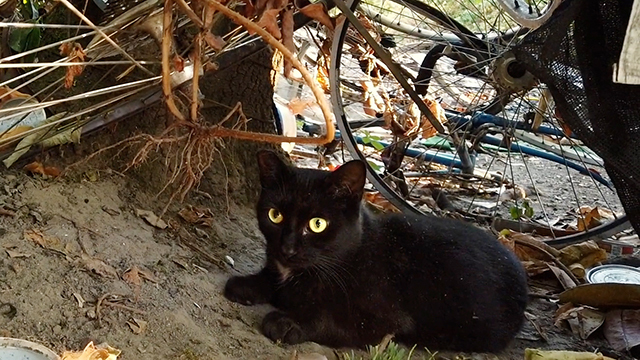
x: 341, y: 276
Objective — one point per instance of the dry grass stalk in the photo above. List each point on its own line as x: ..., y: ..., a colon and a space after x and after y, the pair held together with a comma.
x: 195, y: 87
x: 79, y: 14
x: 167, y: 41
x: 186, y: 9
x: 317, y: 92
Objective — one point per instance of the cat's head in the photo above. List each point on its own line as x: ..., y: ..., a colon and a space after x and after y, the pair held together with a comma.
x: 309, y: 217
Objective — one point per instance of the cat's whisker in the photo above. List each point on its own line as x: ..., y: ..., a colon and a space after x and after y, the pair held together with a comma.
x: 327, y: 268
x: 334, y: 263
x: 321, y: 276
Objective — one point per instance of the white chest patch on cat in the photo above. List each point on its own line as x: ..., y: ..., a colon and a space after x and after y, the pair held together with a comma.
x: 285, y: 272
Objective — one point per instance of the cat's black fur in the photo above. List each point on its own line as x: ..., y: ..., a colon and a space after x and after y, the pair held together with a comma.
x: 439, y: 283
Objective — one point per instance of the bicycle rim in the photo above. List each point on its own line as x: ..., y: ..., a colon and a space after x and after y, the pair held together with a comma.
x: 479, y: 75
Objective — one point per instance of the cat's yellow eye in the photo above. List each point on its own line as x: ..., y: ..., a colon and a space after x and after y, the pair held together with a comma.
x: 275, y: 216
x: 317, y: 225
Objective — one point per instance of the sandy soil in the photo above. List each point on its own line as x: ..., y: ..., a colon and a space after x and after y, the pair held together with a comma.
x: 73, y: 243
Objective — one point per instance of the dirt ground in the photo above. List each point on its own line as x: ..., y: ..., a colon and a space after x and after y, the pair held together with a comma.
x: 72, y: 250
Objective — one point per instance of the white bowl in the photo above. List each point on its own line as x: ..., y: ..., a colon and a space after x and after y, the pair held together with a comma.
x: 18, y: 349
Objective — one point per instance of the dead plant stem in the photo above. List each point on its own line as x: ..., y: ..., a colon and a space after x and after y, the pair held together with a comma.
x: 195, y: 87
x: 186, y: 9
x: 167, y: 41
x: 322, y: 101
x: 105, y: 36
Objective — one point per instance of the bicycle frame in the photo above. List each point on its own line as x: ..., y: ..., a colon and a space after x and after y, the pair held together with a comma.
x: 478, y: 119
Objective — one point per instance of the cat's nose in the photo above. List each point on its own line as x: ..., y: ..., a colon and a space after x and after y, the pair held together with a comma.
x: 288, y: 250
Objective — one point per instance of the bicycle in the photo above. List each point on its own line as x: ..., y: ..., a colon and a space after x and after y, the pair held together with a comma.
x: 481, y: 63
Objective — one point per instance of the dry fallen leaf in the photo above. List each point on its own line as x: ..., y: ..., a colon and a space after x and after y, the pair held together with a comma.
x: 538, y: 354
x: 318, y: 12
x: 99, y: 267
x: 132, y: 276
x: 287, y: 39
x: 14, y: 254
x: 563, y: 277
x: 137, y: 326
x: 427, y: 128
x: 260, y: 5
x: 214, y: 41
x: 583, y: 321
x: 322, y: 75
x: 45, y: 241
x: 151, y: 218
x: 147, y: 275
x: 249, y: 10
x: 269, y: 21
x: 37, y: 168
x: 604, y: 295
x: 587, y: 254
x: 92, y: 352
x: 297, y: 105
x: 373, y: 102
x: 592, y: 217
x: 76, y: 55
x: 196, y: 215
x: 178, y: 63
x: 622, y: 329
x: 378, y: 201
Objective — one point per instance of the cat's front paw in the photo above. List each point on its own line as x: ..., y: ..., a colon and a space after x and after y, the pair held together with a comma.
x: 277, y: 326
x: 247, y: 290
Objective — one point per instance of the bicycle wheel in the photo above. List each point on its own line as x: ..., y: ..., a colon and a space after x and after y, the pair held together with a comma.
x: 492, y: 161
x: 530, y: 14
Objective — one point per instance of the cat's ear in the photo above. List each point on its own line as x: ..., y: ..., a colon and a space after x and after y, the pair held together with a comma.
x: 349, y: 178
x: 271, y: 168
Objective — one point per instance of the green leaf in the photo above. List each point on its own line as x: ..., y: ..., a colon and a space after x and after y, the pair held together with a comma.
x: 528, y: 210
x: 515, y: 212
x: 374, y: 166
x: 18, y: 38
x: 33, y: 39
x: 376, y: 144
x: 24, y: 39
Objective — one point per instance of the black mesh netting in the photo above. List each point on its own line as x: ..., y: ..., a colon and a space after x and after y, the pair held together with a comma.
x: 574, y: 55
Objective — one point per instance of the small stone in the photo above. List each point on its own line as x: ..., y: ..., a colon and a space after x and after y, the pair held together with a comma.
x: 57, y: 330
x: 15, y: 267
x: 36, y: 215
x: 229, y: 260
x: 203, y: 234
x: 91, y: 314
x: 68, y: 314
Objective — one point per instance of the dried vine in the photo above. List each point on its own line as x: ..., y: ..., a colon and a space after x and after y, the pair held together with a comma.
x: 198, y: 143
